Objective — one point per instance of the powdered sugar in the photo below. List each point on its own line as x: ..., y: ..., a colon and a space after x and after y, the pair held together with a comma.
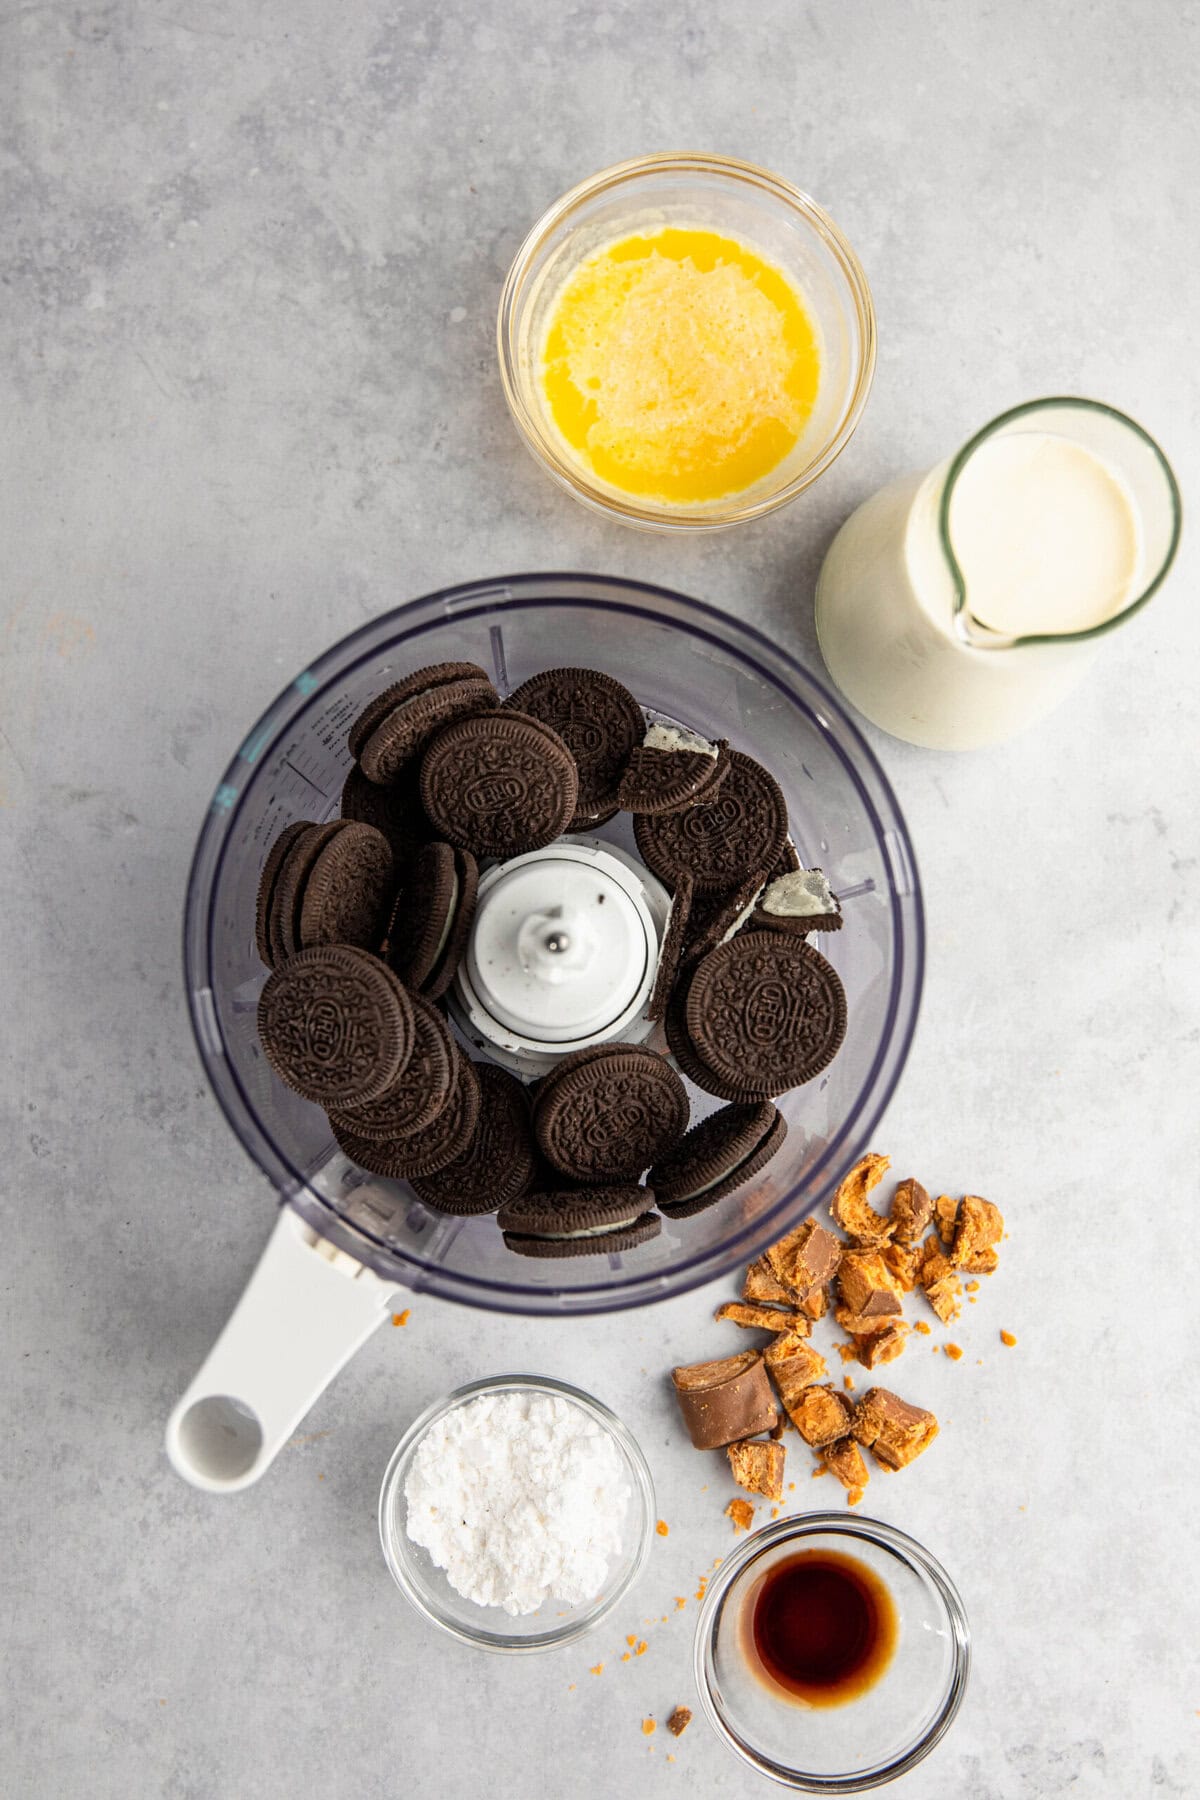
x: 520, y: 1498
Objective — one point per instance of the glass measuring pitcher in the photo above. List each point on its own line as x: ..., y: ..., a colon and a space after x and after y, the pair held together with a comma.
x: 958, y: 606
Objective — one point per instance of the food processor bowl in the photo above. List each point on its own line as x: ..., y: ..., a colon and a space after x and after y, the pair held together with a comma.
x: 356, y: 1238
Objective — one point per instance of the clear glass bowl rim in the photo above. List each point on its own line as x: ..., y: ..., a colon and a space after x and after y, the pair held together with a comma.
x: 467, y: 600
x: 498, y: 1641
x: 542, y: 445
x: 890, y: 1537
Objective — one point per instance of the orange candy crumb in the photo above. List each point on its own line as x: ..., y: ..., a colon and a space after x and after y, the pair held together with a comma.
x: 848, y: 1383
x: 854, y: 1496
x: 742, y: 1514
x: 680, y: 1602
x: 921, y: 1326
x: 953, y: 1351
x: 596, y: 1669
x: 648, y: 1727
x: 641, y: 1649
x: 662, y: 1528
x: 1006, y: 1337
x: 625, y: 1655
x: 401, y: 1318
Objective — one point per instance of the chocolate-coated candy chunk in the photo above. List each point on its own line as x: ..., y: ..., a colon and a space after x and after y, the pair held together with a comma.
x: 724, y: 1400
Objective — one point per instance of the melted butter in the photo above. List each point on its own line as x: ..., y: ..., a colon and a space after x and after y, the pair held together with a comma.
x: 680, y: 366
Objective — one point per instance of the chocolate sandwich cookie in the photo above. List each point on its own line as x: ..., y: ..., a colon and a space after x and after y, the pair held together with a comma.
x: 498, y: 1163
x: 717, y: 1156
x: 499, y: 784
x: 692, y: 1064
x: 419, y: 682
x: 598, y: 720
x: 422, y: 1152
x: 268, y: 881
x: 787, y: 862
x: 579, y: 1222
x: 766, y: 1012
x: 432, y: 917
x: 672, y: 768
x: 723, y: 917
x: 395, y: 810
x: 419, y: 1092
x: 283, y: 921
x: 672, y: 948
x: 409, y: 726
x: 606, y: 1113
x: 800, y: 901
x: 336, y: 1025
x: 743, y: 826
x: 348, y: 889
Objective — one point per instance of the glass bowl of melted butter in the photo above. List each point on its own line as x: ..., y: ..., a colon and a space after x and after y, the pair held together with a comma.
x: 686, y: 342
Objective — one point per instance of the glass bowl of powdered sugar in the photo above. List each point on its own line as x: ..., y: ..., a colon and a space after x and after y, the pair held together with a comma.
x: 516, y: 1513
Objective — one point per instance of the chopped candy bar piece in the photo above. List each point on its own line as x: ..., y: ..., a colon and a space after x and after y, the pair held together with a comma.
x: 910, y: 1211
x: 945, y: 1215
x: 758, y: 1467
x: 763, y: 1318
x: 851, y: 1210
x: 883, y: 1346
x: 980, y: 1227
x: 805, y: 1258
x: 867, y: 1284
x: 863, y: 1324
x: 725, y: 1400
x: 761, y: 1285
x: 820, y: 1415
x: 845, y: 1460
x: 893, y: 1431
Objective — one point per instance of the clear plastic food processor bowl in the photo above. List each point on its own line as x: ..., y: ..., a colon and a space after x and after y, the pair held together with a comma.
x: 346, y: 1241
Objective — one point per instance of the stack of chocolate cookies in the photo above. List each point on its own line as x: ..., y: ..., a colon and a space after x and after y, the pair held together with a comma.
x: 363, y: 922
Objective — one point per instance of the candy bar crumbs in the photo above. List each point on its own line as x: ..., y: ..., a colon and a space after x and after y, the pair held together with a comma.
x: 679, y: 1721
x: 401, y: 1318
x: 742, y: 1514
x: 893, y: 1431
x: 809, y: 1273
x: 649, y: 1727
x: 596, y: 1669
x: 758, y: 1467
x: 762, y: 1318
x: 762, y: 1286
x: 662, y: 1528
x: 910, y: 1211
x: 851, y: 1210
x: 1007, y: 1339
x: 844, y: 1459
x: 806, y: 1258
x: 820, y: 1415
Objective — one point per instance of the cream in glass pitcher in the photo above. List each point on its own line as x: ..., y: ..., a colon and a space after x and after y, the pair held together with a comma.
x: 955, y: 607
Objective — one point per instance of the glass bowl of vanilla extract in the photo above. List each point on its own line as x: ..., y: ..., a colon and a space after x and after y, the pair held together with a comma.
x: 832, y: 1654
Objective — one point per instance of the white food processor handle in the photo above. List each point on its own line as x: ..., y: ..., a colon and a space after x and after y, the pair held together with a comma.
x: 306, y: 1309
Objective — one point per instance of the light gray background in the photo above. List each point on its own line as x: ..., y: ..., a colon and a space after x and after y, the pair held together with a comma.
x: 252, y: 257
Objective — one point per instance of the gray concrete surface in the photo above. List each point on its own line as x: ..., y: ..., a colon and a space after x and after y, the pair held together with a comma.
x: 251, y: 256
